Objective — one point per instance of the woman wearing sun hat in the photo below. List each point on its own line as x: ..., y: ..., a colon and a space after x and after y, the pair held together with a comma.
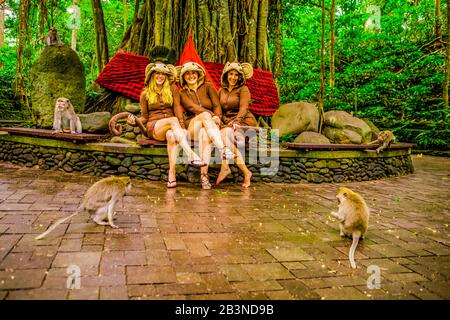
x: 203, y: 114
x: 158, y: 100
x: 234, y: 97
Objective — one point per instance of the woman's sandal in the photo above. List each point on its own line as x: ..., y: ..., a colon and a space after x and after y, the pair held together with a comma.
x: 197, y: 163
x: 227, y: 154
x: 205, y: 181
x: 172, y: 184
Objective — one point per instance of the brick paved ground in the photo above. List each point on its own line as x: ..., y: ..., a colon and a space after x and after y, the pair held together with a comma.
x: 273, y: 241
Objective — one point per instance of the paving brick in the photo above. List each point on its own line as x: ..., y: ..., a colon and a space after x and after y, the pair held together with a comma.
x: 25, y: 260
x: 84, y: 293
x: 174, y: 243
x: 124, y: 242
x: 347, y: 293
x: 188, y: 277
x: 289, y: 254
x: 181, y: 289
x: 38, y: 294
x: 278, y: 243
x: 21, y: 279
x: 256, y: 285
x: 150, y: 275
x: 235, y: 272
x: 114, y: 293
x: 145, y: 290
x: 64, y: 259
x: 268, y: 271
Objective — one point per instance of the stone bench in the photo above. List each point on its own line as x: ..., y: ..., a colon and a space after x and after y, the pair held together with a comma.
x: 75, y: 137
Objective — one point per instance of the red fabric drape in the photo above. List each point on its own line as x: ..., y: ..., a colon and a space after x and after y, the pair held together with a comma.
x: 125, y: 74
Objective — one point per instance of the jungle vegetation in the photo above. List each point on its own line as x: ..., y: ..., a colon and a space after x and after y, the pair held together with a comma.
x: 384, y: 60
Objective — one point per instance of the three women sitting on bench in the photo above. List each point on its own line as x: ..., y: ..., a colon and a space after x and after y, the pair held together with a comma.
x: 162, y: 110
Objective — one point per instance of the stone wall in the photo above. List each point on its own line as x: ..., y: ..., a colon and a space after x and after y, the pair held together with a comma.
x: 102, y: 159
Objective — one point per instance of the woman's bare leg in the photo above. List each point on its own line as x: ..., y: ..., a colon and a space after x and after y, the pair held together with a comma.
x: 173, y: 149
x: 180, y: 135
x: 205, y: 151
x: 225, y: 168
x: 228, y: 137
x: 204, y: 120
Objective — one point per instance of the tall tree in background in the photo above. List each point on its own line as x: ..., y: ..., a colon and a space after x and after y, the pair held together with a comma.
x: 23, y: 38
x: 322, y: 69
x: 2, y: 22
x: 447, y: 58
x: 278, y: 54
x: 332, y: 41
x: 100, y: 34
x: 437, y: 16
x: 223, y: 30
x: 43, y: 19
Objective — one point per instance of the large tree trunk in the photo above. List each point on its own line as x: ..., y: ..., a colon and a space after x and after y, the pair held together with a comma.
x: 437, y: 16
x: 100, y: 34
x: 223, y: 30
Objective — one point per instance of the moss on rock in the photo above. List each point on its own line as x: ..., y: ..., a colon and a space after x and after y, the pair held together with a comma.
x: 58, y: 72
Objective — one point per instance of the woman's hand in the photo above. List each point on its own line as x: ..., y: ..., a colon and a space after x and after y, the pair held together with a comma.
x: 131, y: 120
x: 217, y: 120
x: 234, y: 124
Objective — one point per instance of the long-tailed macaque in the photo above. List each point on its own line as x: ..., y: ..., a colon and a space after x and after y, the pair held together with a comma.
x: 102, y: 197
x: 353, y: 215
x: 384, y: 140
x: 64, y: 112
x: 52, y: 38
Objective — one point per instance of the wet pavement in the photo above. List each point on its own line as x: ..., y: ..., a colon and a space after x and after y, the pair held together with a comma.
x: 272, y: 241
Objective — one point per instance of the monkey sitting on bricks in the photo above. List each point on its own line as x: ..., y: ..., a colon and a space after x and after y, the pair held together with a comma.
x: 353, y: 215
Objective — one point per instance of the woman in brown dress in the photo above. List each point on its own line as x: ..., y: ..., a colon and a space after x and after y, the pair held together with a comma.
x: 235, y: 98
x: 158, y: 100
x: 202, y: 116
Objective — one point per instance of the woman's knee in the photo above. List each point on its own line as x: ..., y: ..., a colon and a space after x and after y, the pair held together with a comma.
x: 170, y: 137
x: 205, y: 115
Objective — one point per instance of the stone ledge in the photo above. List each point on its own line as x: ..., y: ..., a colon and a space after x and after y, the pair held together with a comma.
x: 151, y: 163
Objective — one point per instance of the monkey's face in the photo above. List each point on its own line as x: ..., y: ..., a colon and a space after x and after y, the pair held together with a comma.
x: 62, y: 104
x: 342, y: 195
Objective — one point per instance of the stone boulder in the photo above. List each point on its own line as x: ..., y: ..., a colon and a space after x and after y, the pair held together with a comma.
x: 341, y: 127
x: 375, y: 130
x: 311, y: 137
x: 133, y: 108
x: 57, y: 72
x: 96, y: 122
x: 296, y: 117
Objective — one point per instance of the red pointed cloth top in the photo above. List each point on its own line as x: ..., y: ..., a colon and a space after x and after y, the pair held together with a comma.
x: 125, y: 74
x: 190, y: 54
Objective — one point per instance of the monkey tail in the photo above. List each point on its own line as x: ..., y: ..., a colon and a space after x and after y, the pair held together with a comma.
x: 57, y: 223
x: 116, y: 128
x: 351, y: 255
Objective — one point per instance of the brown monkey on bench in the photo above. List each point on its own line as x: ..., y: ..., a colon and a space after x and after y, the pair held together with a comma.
x: 64, y: 112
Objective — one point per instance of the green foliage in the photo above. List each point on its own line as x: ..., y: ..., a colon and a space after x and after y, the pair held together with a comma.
x: 392, y: 75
